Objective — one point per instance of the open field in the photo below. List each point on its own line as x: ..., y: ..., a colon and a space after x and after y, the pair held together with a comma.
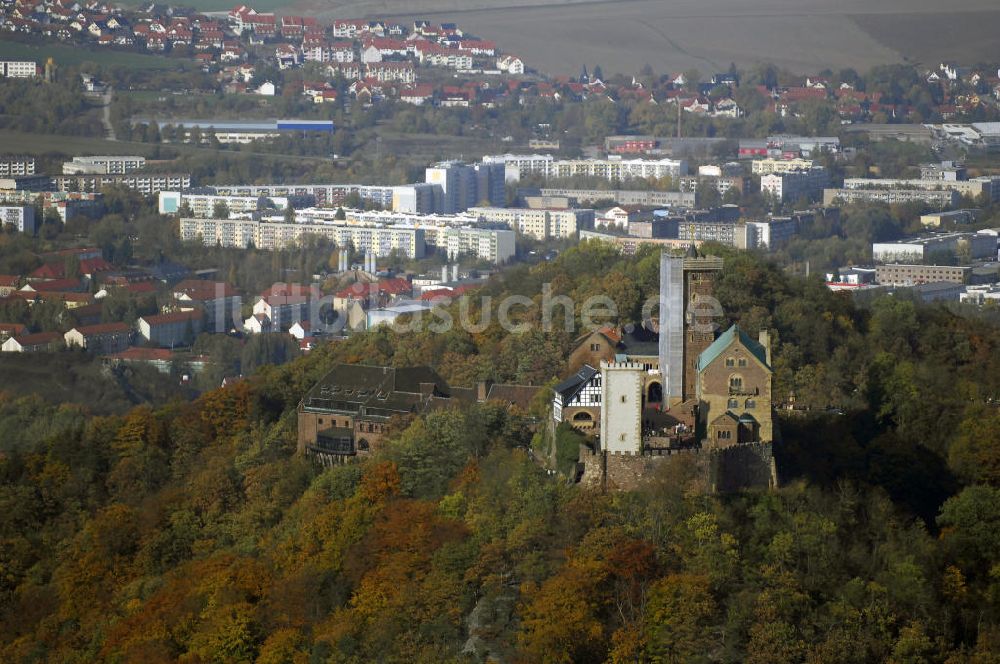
x: 968, y: 37
x: 557, y: 36
x: 68, y: 55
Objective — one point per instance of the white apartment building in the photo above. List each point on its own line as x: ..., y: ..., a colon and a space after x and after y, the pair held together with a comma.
x: 415, y: 198
x: 540, y: 224
x: 144, y: 183
x: 988, y: 186
x: 772, y: 233
x: 975, y: 246
x: 518, y: 165
x: 242, y: 233
x: 609, y: 169
x: 324, y: 194
x: 460, y: 186
x: 939, y: 199
x: 488, y: 244
x: 342, y: 53
x: 18, y: 69
x: 795, y: 184
x: 769, y: 166
x: 21, y: 217
x: 203, y: 205
x: 15, y: 166
x: 103, y: 165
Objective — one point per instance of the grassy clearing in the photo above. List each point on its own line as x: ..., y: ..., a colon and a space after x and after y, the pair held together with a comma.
x: 70, y: 55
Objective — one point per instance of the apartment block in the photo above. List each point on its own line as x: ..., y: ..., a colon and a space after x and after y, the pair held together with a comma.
x: 15, y: 165
x: 544, y: 197
x: 939, y: 199
x: 909, y: 275
x: 21, y: 217
x: 147, y: 184
x: 103, y: 165
x: 323, y: 194
x: 203, y: 205
x: 970, y: 246
x: 769, y: 166
x: 242, y: 233
x: 488, y: 244
x: 539, y: 224
x: 988, y: 186
x: 18, y: 69
x: 517, y: 166
x: 794, y: 184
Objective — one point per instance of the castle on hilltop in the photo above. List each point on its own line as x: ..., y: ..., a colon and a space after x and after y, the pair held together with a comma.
x: 699, y: 394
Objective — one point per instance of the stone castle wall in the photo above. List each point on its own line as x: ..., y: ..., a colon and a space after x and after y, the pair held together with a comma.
x: 728, y: 470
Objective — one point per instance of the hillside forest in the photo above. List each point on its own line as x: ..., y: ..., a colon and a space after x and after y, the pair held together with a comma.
x: 190, y: 531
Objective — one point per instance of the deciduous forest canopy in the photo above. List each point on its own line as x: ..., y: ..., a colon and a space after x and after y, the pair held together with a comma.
x: 190, y: 531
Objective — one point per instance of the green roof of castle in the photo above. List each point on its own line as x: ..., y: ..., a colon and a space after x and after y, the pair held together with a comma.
x: 725, y: 339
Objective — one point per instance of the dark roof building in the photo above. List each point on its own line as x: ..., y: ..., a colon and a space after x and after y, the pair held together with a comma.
x: 347, y: 413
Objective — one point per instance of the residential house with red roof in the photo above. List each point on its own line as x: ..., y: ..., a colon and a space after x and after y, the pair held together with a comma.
x: 219, y: 302
x: 32, y: 343
x: 8, y: 330
x: 171, y: 330
x: 285, y: 304
x: 103, y: 338
x: 8, y: 284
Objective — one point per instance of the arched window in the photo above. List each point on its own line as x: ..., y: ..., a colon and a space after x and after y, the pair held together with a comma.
x: 751, y: 404
x: 733, y: 403
x: 730, y: 362
x: 742, y: 362
x: 736, y: 382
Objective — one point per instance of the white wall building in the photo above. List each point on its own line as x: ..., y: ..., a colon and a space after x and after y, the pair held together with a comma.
x: 266, y: 234
x: 18, y: 69
x: 103, y: 165
x: 794, y: 184
x: 540, y: 224
x: 22, y: 217
x: 621, y: 402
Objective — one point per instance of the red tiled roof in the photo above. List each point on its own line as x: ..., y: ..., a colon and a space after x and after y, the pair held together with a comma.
x: 279, y: 290
x: 198, y: 289
x: 56, y: 285
x: 48, y: 271
x: 143, y: 355
x: 102, y: 328
x: 427, y: 296
x: 395, y: 286
x: 13, y: 329
x: 38, y: 338
x: 175, y: 317
x: 67, y: 297
x: 140, y: 287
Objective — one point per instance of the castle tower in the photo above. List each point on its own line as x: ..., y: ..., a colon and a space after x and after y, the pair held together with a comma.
x: 687, y: 313
x: 621, y: 407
